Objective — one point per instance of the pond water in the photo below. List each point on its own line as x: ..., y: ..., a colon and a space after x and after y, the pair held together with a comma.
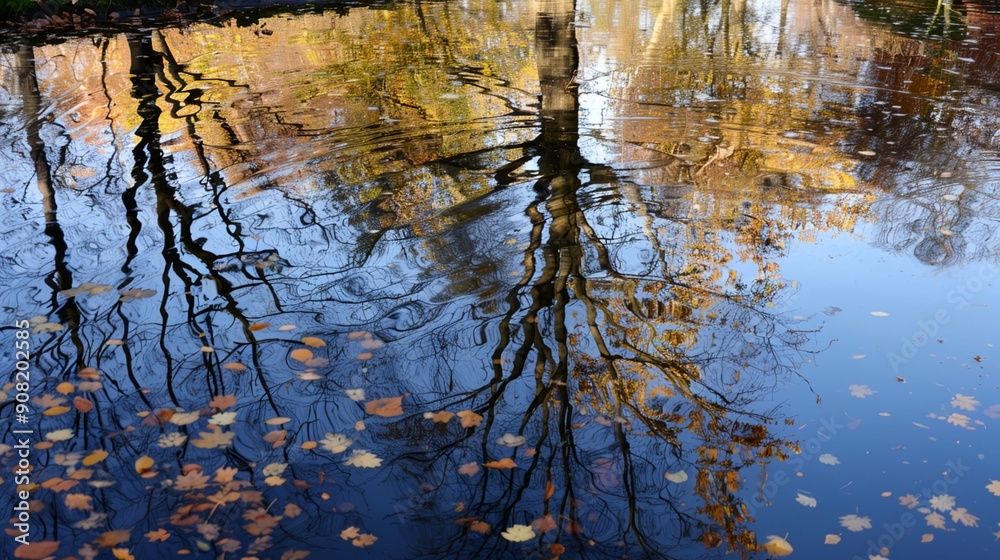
x: 505, y: 279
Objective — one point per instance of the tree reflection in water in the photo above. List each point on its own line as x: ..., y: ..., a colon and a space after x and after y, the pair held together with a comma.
x: 622, y: 333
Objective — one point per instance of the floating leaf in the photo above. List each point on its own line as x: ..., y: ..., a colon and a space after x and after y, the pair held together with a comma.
x: 44, y: 328
x: 59, y: 435
x: 336, y: 443
x: 470, y: 419
x: 313, y: 341
x: 387, y: 407
x: 144, y: 464
x: 235, y: 366
x: 807, y: 501
x: 828, y: 459
x: 82, y: 404
x: 184, y: 418
x: 95, y: 457
x: 962, y: 515
x: 113, y: 538
x: 935, y: 520
x: 944, y: 502
x: 777, y: 546
x: 855, y: 523
x: 194, y: 480
x: 861, y: 391
x: 301, y: 354
x: 518, y: 533
x: 994, y: 487
x: 677, y: 477
x: 278, y: 420
x: 158, y: 536
x: 505, y: 463
x: 222, y: 402
x: 926, y: 538
x: 469, y: 469
x: 363, y: 459
x: 223, y: 418
x: 214, y: 439
x: 879, y: 314
x: 78, y: 501
x: 65, y: 388
x: 36, y: 550
x: 909, y: 500
x: 355, y: 394
x: 832, y: 539
x: 510, y: 440
x: 440, y: 417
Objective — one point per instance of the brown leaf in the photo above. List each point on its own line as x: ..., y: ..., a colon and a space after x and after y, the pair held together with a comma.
x: 144, y: 464
x: 301, y: 354
x: 36, y: 550
x: 113, y: 538
x: 222, y: 402
x: 470, y: 419
x: 78, y: 501
x: 83, y: 405
x: 387, y: 407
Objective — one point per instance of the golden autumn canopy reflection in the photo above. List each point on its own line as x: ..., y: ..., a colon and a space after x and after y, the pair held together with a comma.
x: 453, y: 280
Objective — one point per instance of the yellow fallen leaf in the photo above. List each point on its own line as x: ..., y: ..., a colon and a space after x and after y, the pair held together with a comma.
x: 95, y: 457
x: 144, y: 464
x: 777, y: 546
x: 313, y: 341
x: 301, y: 354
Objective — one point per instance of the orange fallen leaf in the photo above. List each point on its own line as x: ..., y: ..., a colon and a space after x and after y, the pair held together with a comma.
x: 65, y: 388
x: 235, y: 366
x: 144, y: 464
x: 83, y: 405
x: 313, y: 341
x: 258, y: 327
x: 301, y: 354
x: 222, y: 402
x: 113, y: 538
x: 505, y: 463
x: 89, y: 373
x: 387, y: 407
x: 36, y: 550
x: 56, y: 411
x: 278, y: 420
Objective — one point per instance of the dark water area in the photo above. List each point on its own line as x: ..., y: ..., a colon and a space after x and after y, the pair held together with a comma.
x: 504, y: 279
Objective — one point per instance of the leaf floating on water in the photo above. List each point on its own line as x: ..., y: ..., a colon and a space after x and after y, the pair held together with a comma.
x: 777, y: 546
x: 355, y: 394
x: 387, y: 407
x: 363, y: 459
x: 313, y: 341
x: 336, y: 443
x: 935, y: 520
x: 994, y: 487
x: 114, y: 342
x: 144, y: 464
x: 469, y: 469
x: 59, y: 435
x: 440, y: 417
x: 207, y: 349
x: 36, y: 550
x: 960, y: 420
x: 95, y: 457
x: 926, y: 538
x: 214, y: 439
x: 909, y: 500
x: 223, y: 419
x: 944, y: 502
x: 962, y: 515
x: 832, y: 539
x: 677, y: 477
x: 364, y: 356
x: 510, y: 440
x: 470, y: 419
x: 301, y: 354
x: 258, y: 327
x: 807, y: 501
x: 45, y: 328
x: 505, y: 463
x: 222, y: 402
x: 518, y: 533
x: 278, y: 420
x: 157, y: 536
x: 829, y: 459
x: 235, y: 366
x: 855, y: 523
x: 861, y: 391
x: 964, y: 402
x: 867, y: 153
x: 134, y: 294
x: 285, y: 328
x: 879, y: 314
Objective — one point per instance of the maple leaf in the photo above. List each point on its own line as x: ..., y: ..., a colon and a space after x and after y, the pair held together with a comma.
x: 292, y: 511
x: 122, y: 554
x: 158, y: 536
x: 387, y: 407
x: 964, y: 402
x: 962, y: 515
x: 469, y: 469
x: 518, y: 533
x: 909, y: 500
x: 78, y: 501
x: 807, y: 501
x: 364, y: 540
x: 944, y: 502
x: 960, y: 420
x: 994, y: 487
x: 294, y: 554
x: 479, y: 527
x: 336, y: 443
x: 349, y: 533
x: 935, y: 520
x: 223, y: 419
x: 184, y: 418
x: 855, y: 523
x: 363, y: 459
x: 215, y: 438
x: 59, y: 435
x: 193, y: 480
x: 861, y: 391
x: 224, y: 474
x: 275, y: 469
